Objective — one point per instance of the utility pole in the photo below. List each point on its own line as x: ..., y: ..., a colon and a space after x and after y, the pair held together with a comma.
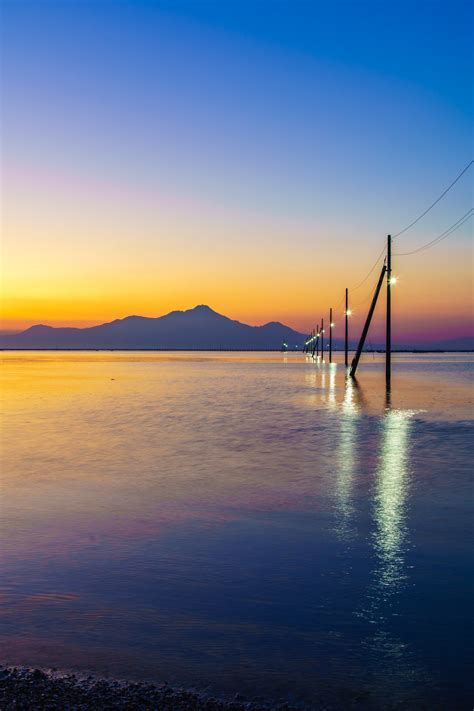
x: 346, y: 356
x: 322, y: 340
x: 388, y: 333
x: 330, y: 335
x: 317, y: 340
x: 355, y: 361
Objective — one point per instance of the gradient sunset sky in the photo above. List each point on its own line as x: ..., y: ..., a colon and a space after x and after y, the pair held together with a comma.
x: 249, y: 155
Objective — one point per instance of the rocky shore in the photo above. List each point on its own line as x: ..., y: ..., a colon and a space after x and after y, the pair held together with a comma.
x: 36, y: 689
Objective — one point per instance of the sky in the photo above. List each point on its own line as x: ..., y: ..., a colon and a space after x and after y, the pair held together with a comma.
x: 249, y: 155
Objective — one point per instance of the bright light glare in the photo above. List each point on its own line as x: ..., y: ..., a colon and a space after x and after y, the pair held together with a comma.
x: 332, y: 325
x: 393, y: 280
x: 348, y: 312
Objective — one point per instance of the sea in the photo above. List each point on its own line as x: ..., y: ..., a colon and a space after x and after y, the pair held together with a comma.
x: 257, y: 524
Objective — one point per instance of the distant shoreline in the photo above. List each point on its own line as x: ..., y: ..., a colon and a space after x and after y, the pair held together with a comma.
x: 220, y: 350
x: 202, y: 326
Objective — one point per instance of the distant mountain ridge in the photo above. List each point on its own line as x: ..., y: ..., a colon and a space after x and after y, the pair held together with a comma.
x: 200, y: 328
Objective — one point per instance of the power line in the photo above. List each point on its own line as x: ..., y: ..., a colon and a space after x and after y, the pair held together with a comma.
x: 445, y: 234
x: 405, y: 229
x: 363, y: 301
x: 367, y: 297
x: 455, y: 226
x: 361, y: 283
x: 435, y: 202
x: 354, y: 288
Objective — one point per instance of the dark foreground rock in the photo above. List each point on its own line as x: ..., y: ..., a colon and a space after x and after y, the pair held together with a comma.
x: 34, y: 689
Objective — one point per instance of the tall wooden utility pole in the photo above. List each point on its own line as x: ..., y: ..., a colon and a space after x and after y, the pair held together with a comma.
x: 346, y: 358
x: 388, y: 333
x: 322, y: 340
x: 330, y: 335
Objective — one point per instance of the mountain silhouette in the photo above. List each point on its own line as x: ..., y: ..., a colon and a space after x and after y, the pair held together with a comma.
x: 199, y: 328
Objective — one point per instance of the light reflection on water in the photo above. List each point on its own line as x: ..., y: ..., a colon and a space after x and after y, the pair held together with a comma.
x: 162, y: 512
x: 395, y: 665
x: 390, y: 499
x: 346, y: 458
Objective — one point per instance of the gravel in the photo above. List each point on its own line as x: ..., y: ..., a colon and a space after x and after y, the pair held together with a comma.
x: 36, y: 689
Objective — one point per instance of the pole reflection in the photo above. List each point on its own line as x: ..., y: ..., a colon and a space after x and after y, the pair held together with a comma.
x: 346, y: 461
x: 392, y: 658
x: 323, y: 380
x: 390, y: 500
x: 332, y: 384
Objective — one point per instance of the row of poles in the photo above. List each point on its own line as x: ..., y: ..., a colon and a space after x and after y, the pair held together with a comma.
x: 315, y: 341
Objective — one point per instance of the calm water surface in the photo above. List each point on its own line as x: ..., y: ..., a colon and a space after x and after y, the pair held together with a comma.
x: 246, y: 523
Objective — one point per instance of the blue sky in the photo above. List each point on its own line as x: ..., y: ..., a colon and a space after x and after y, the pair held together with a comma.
x: 314, y: 125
